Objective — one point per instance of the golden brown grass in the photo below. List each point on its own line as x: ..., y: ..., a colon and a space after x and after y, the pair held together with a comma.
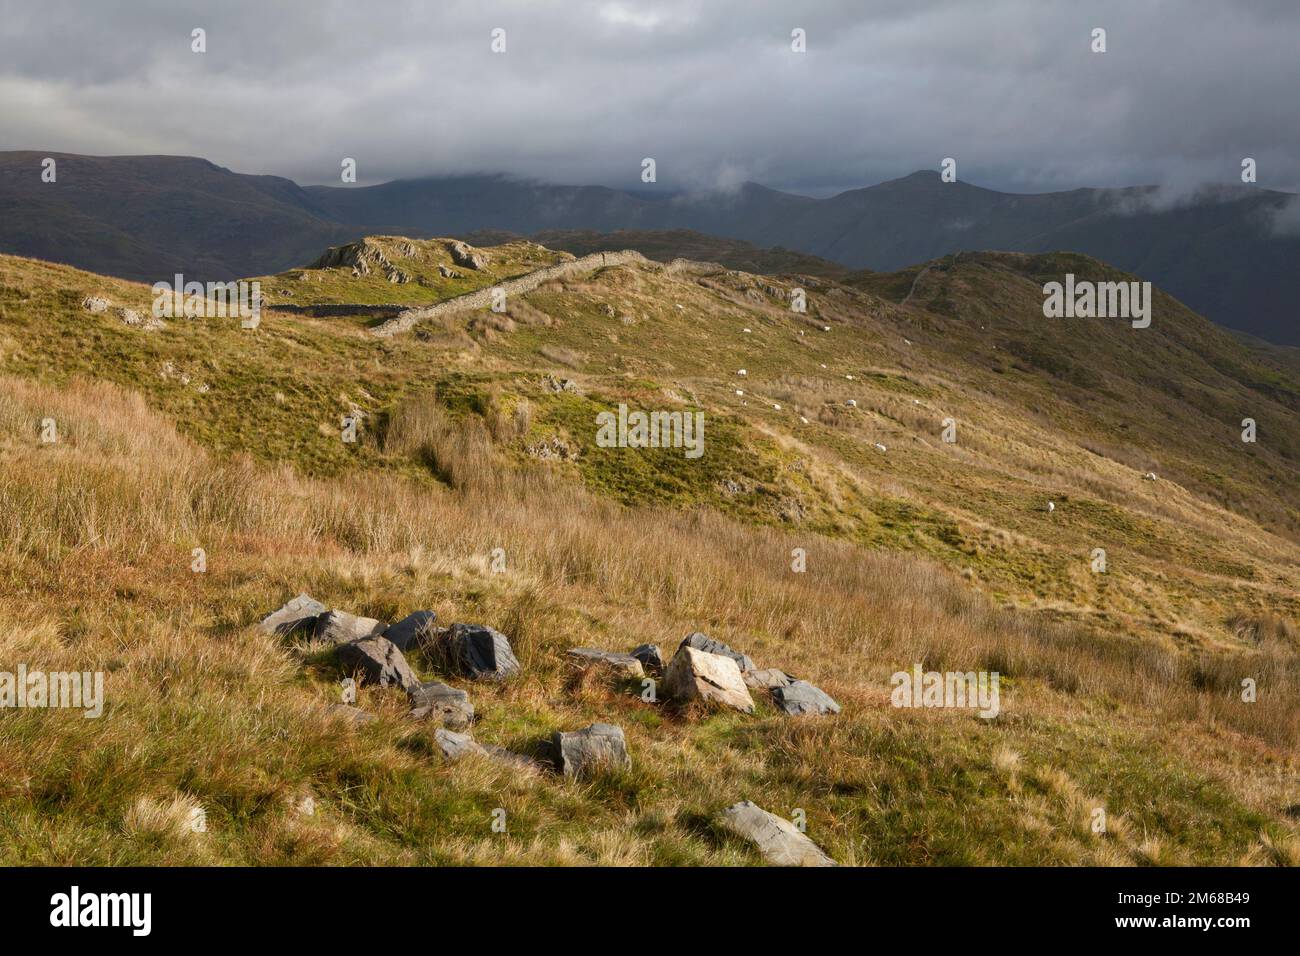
x: 96, y: 533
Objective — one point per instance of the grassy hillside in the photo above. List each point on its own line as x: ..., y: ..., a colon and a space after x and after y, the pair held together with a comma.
x: 1121, y: 690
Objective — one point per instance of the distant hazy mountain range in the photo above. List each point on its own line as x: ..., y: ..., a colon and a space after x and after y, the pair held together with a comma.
x: 1231, y: 253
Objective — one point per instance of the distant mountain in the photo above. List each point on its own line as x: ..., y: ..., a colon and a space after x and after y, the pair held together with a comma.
x: 146, y: 217
x: 1221, y: 251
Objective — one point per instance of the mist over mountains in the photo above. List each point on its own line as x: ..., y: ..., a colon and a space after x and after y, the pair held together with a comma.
x: 1229, y: 252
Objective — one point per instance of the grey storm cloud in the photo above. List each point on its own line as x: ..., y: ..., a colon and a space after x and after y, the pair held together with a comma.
x: 711, y: 90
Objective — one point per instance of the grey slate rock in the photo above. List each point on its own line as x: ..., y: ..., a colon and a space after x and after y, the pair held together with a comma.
x: 437, y: 701
x: 580, y: 753
x: 481, y: 653
x: 299, y: 613
x: 623, y: 663
x: 768, y: 678
x: 340, y: 627
x: 778, y: 840
x: 454, y: 746
x: 702, y: 642
x: 415, y: 628
x: 380, y: 662
x: 649, y: 656
x: 801, y: 698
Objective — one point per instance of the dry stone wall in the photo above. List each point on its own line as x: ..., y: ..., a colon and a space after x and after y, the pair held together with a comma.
x: 482, y: 298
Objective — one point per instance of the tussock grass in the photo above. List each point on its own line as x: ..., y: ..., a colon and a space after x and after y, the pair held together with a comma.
x: 202, y: 712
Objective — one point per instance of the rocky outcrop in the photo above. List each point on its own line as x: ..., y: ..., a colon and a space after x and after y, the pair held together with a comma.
x: 464, y: 255
x: 778, y: 840
x: 364, y: 257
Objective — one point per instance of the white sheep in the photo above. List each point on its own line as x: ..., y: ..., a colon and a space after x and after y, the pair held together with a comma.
x: 1051, y: 506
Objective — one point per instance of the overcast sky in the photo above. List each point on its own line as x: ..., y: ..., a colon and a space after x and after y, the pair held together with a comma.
x: 709, y: 88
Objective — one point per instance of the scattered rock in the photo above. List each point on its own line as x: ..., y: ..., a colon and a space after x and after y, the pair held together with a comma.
x: 354, y: 715
x: 767, y: 679
x: 437, y: 701
x: 449, y: 273
x: 416, y: 627
x: 463, y: 255
x: 649, y: 656
x: 380, y: 662
x: 608, y: 310
x: 556, y: 449
x: 625, y: 664
x: 299, y: 613
x: 94, y: 303
x: 139, y: 321
x: 480, y: 652
x: 800, y: 698
x: 580, y: 753
x: 559, y: 385
x: 454, y: 746
x: 702, y: 642
x: 698, y: 675
x: 778, y: 840
x: 340, y: 627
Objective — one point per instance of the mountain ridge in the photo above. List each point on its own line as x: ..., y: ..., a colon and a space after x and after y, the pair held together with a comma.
x: 140, y: 217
